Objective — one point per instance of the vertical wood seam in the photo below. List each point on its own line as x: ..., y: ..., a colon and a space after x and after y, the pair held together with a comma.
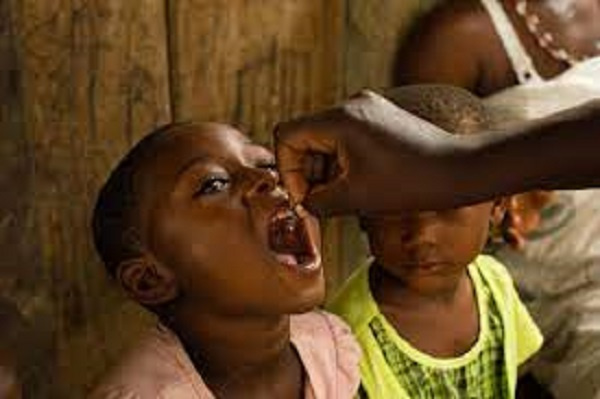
x: 346, y: 7
x: 172, y: 64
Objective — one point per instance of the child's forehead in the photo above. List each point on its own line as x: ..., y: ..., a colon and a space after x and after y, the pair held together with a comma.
x: 206, y: 136
x: 208, y: 142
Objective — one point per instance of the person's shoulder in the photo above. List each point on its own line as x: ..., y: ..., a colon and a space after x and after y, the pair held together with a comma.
x: 466, y: 16
x: 493, y: 265
x: 430, y: 52
x: 151, y: 368
x: 353, y: 301
x: 329, y: 352
x: 320, y: 325
x: 496, y: 275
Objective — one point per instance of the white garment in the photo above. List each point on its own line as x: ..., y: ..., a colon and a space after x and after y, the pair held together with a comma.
x: 558, y: 272
x: 520, y: 61
x: 536, y: 99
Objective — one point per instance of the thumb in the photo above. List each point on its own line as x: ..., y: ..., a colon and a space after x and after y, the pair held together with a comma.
x: 290, y: 164
x: 302, y: 156
x: 295, y: 183
x: 329, y: 199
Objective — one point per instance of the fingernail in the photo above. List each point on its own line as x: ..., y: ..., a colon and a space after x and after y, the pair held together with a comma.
x: 299, y: 209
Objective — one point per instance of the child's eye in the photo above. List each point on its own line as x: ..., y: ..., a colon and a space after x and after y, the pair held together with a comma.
x: 269, y: 165
x: 212, y: 185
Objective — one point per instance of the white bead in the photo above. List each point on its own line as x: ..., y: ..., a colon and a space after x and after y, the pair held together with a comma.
x: 534, y: 20
x: 545, y: 39
x: 562, y: 54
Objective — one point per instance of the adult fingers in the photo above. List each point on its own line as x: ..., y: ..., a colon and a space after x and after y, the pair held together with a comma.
x: 300, y: 150
x: 329, y: 199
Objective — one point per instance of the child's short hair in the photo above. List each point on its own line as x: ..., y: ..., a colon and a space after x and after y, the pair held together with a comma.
x: 451, y: 108
x: 455, y: 110
x: 115, y: 220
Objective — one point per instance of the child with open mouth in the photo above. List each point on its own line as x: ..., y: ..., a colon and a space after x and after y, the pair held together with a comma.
x: 195, y: 226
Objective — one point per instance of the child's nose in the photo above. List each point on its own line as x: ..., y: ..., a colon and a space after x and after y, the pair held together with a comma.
x: 264, y: 182
x: 418, y: 225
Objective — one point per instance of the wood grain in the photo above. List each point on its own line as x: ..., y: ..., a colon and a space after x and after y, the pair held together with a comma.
x: 374, y: 32
x: 92, y: 78
x: 254, y: 62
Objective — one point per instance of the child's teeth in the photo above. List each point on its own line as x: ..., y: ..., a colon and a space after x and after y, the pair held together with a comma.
x: 287, y: 259
x: 282, y: 214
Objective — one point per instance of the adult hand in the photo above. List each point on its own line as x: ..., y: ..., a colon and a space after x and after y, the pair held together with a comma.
x: 365, y: 155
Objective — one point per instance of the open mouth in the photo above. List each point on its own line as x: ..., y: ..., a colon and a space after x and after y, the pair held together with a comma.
x: 289, y: 240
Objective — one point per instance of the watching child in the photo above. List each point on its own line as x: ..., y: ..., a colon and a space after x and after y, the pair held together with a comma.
x: 434, y: 318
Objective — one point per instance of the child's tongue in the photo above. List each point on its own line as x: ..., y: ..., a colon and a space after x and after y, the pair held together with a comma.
x: 286, y: 238
x: 287, y: 259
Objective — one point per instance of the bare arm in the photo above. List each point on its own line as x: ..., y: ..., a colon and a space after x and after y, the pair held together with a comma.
x: 368, y: 155
x: 559, y: 152
x: 436, y: 51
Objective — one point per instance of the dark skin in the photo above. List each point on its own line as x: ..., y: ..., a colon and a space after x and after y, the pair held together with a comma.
x: 208, y: 194
x: 326, y: 159
x: 420, y: 278
x: 483, y: 67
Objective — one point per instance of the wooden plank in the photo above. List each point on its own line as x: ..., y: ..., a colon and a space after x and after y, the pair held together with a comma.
x: 93, y: 77
x: 20, y: 266
x: 17, y: 169
x: 375, y: 30
x: 254, y: 62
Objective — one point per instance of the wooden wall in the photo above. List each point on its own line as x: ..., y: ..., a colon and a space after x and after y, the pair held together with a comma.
x: 81, y: 80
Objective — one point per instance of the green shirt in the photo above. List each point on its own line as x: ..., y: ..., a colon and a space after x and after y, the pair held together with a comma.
x: 392, y: 368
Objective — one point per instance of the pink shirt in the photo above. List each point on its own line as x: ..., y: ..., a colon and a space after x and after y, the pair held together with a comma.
x: 159, y: 368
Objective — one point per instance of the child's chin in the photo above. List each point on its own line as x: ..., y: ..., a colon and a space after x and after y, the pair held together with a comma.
x: 308, y: 301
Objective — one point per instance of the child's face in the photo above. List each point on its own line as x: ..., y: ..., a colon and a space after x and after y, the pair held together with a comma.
x: 218, y: 219
x: 428, y: 243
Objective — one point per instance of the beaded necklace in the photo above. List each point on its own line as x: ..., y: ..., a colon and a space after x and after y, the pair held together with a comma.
x: 546, y: 39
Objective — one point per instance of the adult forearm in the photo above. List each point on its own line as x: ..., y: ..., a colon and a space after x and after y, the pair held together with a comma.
x: 561, y: 152
x: 368, y: 155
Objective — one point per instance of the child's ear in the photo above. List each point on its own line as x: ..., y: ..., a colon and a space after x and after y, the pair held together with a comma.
x: 147, y: 282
